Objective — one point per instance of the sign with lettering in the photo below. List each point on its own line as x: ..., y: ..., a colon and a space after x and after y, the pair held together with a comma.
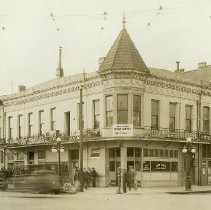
x: 160, y: 166
x: 123, y: 130
x: 95, y: 152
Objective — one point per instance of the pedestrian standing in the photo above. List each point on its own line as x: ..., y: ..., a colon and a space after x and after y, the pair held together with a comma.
x: 86, y: 178
x: 124, y: 180
x: 94, y: 174
x: 131, y: 178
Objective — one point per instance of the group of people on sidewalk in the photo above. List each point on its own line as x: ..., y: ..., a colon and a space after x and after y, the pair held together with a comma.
x: 89, y: 177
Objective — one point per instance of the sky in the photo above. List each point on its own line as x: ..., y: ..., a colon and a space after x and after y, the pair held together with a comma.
x: 31, y: 32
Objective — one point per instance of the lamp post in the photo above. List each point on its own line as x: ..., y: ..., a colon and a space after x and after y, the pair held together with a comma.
x: 188, y: 149
x: 59, y: 148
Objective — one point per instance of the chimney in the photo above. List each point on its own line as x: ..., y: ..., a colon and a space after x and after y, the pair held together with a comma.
x: 59, y: 70
x: 101, y: 59
x: 21, y: 88
x: 178, y: 69
x: 202, y: 64
x: 177, y: 62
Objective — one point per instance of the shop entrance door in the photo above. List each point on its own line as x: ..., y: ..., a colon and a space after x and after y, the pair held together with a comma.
x: 114, y: 163
x: 209, y: 172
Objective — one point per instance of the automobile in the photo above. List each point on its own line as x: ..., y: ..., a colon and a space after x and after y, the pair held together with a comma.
x: 3, y: 184
x: 42, y: 181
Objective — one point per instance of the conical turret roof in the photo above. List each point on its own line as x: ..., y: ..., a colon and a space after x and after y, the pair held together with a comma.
x: 123, y: 55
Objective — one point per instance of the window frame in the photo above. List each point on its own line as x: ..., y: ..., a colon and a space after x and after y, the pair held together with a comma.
x: 138, y: 111
x: 109, y: 110
x: 155, y: 115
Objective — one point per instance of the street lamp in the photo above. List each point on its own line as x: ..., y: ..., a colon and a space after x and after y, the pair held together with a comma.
x: 59, y: 148
x: 188, y: 149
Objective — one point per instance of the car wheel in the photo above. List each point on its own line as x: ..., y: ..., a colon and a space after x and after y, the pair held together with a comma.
x: 56, y: 192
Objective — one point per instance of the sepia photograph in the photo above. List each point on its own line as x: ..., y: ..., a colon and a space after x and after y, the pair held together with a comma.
x: 105, y: 104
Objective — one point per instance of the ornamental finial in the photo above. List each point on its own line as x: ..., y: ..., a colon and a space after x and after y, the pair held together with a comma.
x: 124, y: 20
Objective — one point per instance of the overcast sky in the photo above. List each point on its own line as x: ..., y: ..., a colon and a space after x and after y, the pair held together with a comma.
x: 31, y: 32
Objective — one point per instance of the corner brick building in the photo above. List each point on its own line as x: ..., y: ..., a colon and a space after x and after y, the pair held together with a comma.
x: 159, y: 109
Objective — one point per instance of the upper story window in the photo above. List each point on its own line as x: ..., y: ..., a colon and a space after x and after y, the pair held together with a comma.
x: 172, y: 116
x: 82, y: 115
x: 188, y: 118
x: 30, y: 125
x: 20, y: 126
x: 96, y: 104
x: 136, y: 110
x: 206, y: 119
x: 52, y: 119
x: 10, y: 127
x: 154, y: 114
x: 109, y: 110
x: 122, y: 109
x: 41, y: 122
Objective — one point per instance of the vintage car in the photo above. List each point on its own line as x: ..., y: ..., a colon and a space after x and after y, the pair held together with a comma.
x: 3, y: 184
x: 42, y: 181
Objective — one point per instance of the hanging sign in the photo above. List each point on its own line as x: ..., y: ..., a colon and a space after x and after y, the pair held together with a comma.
x: 123, y: 130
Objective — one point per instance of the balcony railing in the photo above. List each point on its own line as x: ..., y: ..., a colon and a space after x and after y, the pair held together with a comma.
x: 177, y: 134
x: 88, y: 134
x: 49, y: 138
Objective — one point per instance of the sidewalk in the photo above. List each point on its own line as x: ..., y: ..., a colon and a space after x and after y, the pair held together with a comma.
x: 140, y: 190
x: 149, y: 190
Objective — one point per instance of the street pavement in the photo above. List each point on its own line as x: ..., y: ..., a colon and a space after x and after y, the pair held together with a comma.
x: 148, y: 198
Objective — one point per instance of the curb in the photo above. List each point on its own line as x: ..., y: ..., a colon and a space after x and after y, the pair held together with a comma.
x: 191, y: 192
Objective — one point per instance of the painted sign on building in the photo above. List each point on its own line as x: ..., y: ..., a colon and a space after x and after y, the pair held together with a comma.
x: 123, y: 130
x: 95, y: 152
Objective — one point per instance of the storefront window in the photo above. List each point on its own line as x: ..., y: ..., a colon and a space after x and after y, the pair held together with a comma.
x: 130, y: 152
x: 151, y: 152
x: 171, y: 153
x: 146, y: 166
x: 174, y: 166
x: 146, y: 153
x: 137, y: 152
x: 156, y: 152
x: 166, y: 153
x: 137, y: 165
x: 114, y: 152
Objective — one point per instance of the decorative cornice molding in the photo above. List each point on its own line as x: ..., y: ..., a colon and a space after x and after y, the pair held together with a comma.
x: 44, y: 94
x: 177, y: 86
